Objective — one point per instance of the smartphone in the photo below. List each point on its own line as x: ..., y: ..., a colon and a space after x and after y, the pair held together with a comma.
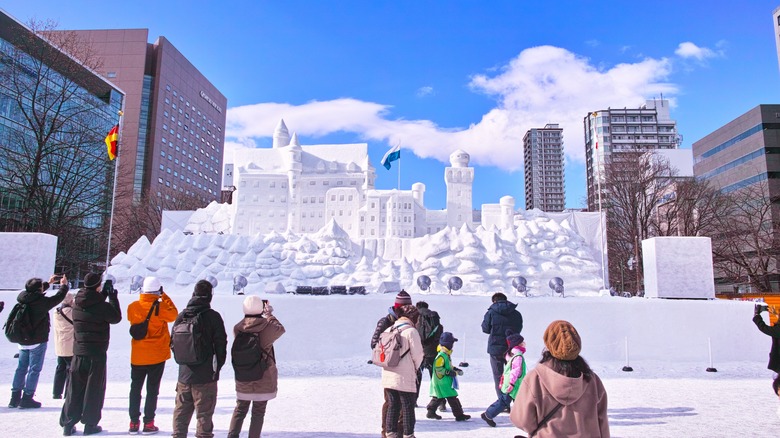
x: 108, y: 283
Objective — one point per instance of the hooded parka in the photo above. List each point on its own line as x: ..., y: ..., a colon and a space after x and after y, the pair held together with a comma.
x: 268, y: 330
x: 584, y: 405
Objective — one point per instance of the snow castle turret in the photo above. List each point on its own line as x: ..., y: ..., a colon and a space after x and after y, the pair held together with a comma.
x: 281, y: 135
x: 418, y: 192
x: 459, y: 180
x: 507, y: 204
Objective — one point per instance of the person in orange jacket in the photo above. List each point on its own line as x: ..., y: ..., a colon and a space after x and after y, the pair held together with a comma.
x: 148, y: 354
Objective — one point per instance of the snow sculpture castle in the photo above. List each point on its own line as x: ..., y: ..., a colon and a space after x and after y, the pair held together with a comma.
x: 297, y: 188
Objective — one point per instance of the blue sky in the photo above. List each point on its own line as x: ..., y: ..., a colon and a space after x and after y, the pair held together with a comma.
x: 438, y: 76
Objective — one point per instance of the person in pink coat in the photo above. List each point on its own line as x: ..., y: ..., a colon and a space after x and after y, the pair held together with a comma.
x: 562, y: 396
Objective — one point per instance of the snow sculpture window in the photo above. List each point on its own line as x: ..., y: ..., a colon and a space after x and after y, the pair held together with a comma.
x: 272, y: 185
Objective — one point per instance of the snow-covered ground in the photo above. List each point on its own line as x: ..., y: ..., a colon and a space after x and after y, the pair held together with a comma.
x: 326, y: 388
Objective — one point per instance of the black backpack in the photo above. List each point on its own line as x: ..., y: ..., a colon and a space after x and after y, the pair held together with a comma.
x: 187, y: 341
x: 19, y: 328
x: 428, y: 325
x: 249, y: 359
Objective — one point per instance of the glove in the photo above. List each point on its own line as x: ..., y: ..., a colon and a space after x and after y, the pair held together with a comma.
x: 510, y: 388
x: 109, y: 290
x: 758, y: 308
x: 268, y: 311
x: 457, y: 371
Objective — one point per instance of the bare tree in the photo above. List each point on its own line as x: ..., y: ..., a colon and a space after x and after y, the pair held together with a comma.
x: 745, y: 245
x: 692, y: 207
x: 635, y: 183
x: 53, y: 168
x: 144, y: 218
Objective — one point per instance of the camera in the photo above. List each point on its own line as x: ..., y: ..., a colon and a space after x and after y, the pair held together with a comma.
x: 761, y: 308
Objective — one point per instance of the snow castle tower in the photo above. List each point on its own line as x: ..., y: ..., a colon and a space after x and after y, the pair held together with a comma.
x: 281, y: 135
x: 460, y: 180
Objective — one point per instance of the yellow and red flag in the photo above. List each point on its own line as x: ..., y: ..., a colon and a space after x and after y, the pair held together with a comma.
x: 111, y: 142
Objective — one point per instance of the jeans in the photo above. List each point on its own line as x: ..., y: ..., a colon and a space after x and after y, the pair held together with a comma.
x: 61, y: 374
x: 497, y: 366
x: 29, y: 369
x: 499, y: 406
x: 153, y: 375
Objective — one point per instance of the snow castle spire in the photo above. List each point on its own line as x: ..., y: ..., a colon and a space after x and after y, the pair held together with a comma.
x: 281, y: 135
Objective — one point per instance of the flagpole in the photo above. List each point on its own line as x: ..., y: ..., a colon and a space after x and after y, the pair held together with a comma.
x: 601, y: 214
x: 113, y: 191
x: 399, y: 167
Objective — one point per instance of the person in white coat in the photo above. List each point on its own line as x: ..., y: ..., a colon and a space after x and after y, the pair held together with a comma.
x: 63, y: 344
x: 400, y: 382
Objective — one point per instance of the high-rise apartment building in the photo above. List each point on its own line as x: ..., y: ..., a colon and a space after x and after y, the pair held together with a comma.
x: 55, y: 176
x: 543, y: 162
x: 612, y: 131
x: 172, y: 134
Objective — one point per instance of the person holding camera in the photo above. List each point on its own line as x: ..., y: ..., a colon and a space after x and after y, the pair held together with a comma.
x: 148, y: 351
x: 92, y: 319
x: 254, y: 364
x: 774, y: 352
x: 35, y: 334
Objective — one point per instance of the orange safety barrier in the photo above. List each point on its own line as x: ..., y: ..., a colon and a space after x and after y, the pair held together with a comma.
x: 771, y: 300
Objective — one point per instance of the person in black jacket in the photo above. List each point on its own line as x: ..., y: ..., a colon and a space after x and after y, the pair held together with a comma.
x: 774, y: 352
x: 430, y: 340
x: 500, y: 316
x: 92, y: 317
x: 196, y: 390
x: 32, y: 350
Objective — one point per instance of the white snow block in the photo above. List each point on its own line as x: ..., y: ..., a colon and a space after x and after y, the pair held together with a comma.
x: 24, y: 256
x: 678, y: 267
x: 388, y: 287
x: 274, y: 287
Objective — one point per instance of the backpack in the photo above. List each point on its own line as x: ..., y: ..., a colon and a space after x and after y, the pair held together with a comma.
x: 18, y: 328
x: 428, y: 326
x: 186, y: 341
x: 387, y: 352
x: 249, y: 359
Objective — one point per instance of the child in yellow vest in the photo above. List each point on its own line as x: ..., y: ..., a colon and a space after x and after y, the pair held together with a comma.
x: 444, y: 383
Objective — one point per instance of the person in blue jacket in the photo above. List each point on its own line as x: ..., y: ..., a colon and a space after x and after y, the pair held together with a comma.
x: 500, y: 316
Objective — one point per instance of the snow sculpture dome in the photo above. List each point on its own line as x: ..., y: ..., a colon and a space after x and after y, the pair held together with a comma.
x: 507, y: 200
x: 459, y: 158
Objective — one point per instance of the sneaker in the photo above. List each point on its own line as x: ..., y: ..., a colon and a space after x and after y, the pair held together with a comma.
x: 433, y: 415
x: 487, y: 419
x: 92, y: 430
x: 135, y: 426
x: 463, y: 417
x: 150, y: 428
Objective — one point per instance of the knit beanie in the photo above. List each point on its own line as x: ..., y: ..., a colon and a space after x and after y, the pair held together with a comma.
x: 92, y: 280
x: 35, y: 285
x: 447, y: 340
x: 402, y: 299
x: 203, y: 289
x: 253, y: 305
x: 513, y: 339
x: 562, y: 340
x: 151, y: 286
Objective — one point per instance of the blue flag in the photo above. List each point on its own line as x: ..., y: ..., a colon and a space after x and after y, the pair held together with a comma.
x: 393, y: 154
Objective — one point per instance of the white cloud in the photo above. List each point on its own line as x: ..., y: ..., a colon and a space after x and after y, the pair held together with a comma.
x: 690, y: 50
x: 424, y: 91
x: 541, y: 85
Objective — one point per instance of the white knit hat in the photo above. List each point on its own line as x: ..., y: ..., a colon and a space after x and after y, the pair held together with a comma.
x: 151, y: 285
x: 253, y: 305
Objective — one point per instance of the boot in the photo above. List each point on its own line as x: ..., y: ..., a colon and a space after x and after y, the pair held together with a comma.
x: 68, y: 430
x: 457, y: 409
x: 27, y: 402
x: 488, y: 420
x: 433, y: 415
x: 90, y: 429
x: 15, y: 397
